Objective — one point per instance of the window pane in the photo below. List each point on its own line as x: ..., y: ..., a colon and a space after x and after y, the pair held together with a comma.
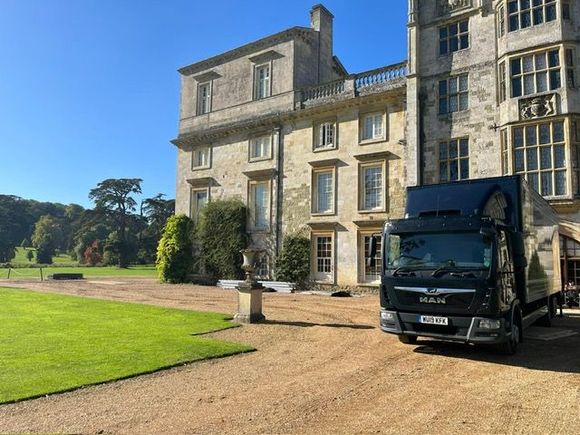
x: 514, y: 23
x: 561, y: 183
x: 464, y: 147
x: 464, y: 26
x: 453, y: 85
x: 442, y: 88
x: 533, y: 181
x: 542, y: 81
x: 463, y: 83
x: 516, y: 67
x: 324, y: 189
x: 373, y: 188
x: 453, y: 44
x: 518, y: 137
x: 538, y: 16
x: 512, y: 6
x: 558, y: 131
x: 532, y: 159
x: 463, y: 102
x: 529, y: 84
x: 517, y: 87
x: 546, y: 188
x: 540, y: 61
x: 555, y: 81
x: 545, y: 157
x: 464, y: 41
x: 559, y: 156
x: 443, y: 105
x: 443, y: 151
x: 519, y: 160
x: 525, y: 19
x: 528, y: 63
x: 545, y: 133
x: 553, y: 58
x: 453, y: 149
x: 464, y: 164
x: 551, y: 12
x: 531, y: 138
x: 453, y: 104
x: 443, y: 171
x: 443, y: 47
x: 443, y: 32
x: 453, y: 170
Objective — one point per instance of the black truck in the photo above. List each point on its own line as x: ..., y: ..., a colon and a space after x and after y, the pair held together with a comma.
x: 473, y: 261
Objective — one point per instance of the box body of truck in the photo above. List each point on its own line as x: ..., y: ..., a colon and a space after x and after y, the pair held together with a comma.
x: 473, y: 261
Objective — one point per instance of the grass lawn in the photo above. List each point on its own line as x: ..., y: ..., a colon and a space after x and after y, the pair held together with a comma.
x: 51, y: 343
x: 20, y: 258
x: 88, y: 272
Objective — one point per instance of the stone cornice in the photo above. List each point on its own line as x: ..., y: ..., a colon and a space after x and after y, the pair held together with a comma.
x: 294, y: 32
x: 208, y: 135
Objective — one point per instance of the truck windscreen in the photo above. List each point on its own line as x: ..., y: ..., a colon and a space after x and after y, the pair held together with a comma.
x: 469, y: 250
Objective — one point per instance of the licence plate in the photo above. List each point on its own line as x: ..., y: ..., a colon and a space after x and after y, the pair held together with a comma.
x: 434, y: 320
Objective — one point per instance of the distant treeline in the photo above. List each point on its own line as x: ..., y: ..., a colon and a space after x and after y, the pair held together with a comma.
x: 116, y: 231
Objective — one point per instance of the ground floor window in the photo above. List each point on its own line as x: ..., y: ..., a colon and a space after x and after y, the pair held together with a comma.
x: 323, y: 256
x: 262, y: 266
x: 370, y: 274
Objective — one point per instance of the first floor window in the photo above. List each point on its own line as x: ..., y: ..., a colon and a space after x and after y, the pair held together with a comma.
x: 260, y: 205
x: 570, y: 76
x: 204, y: 98
x: 372, y: 127
x: 262, y: 81
x: 200, y: 158
x: 453, y: 94
x: 500, y: 21
x: 326, y: 136
x: 372, y: 186
x: 539, y: 154
x: 260, y: 147
x: 453, y: 37
x: 533, y: 73
x: 262, y: 266
x: 502, y: 82
x: 454, y: 160
x: 371, y: 273
x: 323, y: 191
x: 199, y: 198
x: 504, y: 152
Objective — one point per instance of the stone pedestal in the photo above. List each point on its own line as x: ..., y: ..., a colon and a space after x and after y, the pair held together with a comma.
x: 249, y: 303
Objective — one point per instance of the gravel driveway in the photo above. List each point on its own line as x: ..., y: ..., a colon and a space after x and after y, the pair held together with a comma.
x: 321, y: 366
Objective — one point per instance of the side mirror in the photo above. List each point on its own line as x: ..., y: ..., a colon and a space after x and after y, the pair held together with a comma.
x: 372, y: 252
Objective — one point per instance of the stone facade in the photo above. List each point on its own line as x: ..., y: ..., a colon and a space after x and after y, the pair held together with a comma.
x: 280, y: 124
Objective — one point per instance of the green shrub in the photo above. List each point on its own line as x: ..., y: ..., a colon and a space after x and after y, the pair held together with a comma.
x: 293, y: 264
x: 44, y: 253
x: 222, y: 235
x: 175, y: 250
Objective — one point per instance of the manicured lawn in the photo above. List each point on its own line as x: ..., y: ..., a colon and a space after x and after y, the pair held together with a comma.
x: 88, y: 272
x: 20, y: 258
x: 51, y: 343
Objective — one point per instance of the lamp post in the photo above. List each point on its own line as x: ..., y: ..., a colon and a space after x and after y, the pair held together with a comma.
x: 249, y: 291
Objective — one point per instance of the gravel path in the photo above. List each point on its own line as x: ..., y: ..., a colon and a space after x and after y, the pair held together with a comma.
x: 321, y: 366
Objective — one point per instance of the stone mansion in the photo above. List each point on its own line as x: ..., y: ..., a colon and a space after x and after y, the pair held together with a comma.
x: 490, y: 88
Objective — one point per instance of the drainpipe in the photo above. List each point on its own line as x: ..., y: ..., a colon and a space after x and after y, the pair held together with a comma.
x: 421, y: 144
x: 279, y: 188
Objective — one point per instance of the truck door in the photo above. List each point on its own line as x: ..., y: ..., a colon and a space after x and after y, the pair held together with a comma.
x: 505, y: 269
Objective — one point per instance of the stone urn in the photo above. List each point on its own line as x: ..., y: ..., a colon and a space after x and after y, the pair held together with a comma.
x: 249, y: 291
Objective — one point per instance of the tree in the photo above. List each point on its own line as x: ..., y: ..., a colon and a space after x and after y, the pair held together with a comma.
x: 293, y: 264
x: 29, y: 255
x: 158, y: 210
x: 13, y: 225
x: 47, y: 238
x: 174, y: 255
x: 92, y: 255
x: 113, y: 198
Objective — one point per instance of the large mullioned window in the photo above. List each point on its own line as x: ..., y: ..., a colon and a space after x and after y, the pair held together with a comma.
x: 454, y: 160
x: 453, y: 94
x: 453, y: 37
x: 533, y: 73
x: 539, y: 154
x: 526, y: 13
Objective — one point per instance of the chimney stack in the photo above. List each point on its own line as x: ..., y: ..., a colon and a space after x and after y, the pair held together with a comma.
x: 321, y: 20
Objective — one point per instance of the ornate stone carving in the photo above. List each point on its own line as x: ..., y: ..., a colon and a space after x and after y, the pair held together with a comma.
x: 538, y: 107
x: 447, y: 6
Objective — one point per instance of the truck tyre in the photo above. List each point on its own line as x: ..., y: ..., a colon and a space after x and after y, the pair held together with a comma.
x: 408, y: 339
x: 511, y: 345
x: 552, y: 304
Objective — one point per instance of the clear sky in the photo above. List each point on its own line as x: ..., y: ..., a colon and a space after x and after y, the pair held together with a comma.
x: 89, y: 88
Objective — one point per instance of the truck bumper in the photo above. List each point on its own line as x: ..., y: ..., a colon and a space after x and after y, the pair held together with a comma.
x: 462, y: 329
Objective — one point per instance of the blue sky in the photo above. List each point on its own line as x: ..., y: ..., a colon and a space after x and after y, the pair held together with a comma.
x: 89, y: 88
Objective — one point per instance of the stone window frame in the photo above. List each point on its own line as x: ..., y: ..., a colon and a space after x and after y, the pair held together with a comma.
x: 505, y: 153
x: 374, y: 138
x: 198, y: 152
x: 362, y: 166
x: 314, y: 256
x: 460, y: 158
x: 318, y: 133
x: 457, y: 94
x: 570, y: 53
x: 203, y: 109
x: 501, y: 20
x: 256, y: 80
x: 532, y: 12
x: 194, y: 209
x: 566, y: 10
x: 252, y: 183
x: 461, y: 37
x: 316, y: 171
x: 252, y: 143
x: 525, y: 170
x: 363, y: 279
x: 535, y: 72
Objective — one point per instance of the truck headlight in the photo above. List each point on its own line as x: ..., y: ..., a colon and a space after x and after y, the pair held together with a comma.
x: 489, y: 324
x: 387, y: 317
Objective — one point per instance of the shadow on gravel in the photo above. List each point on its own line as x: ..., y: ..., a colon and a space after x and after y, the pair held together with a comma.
x: 308, y: 324
x: 559, y: 355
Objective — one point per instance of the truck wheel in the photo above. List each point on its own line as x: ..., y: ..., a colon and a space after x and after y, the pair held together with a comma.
x: 552, y: 311
x: 408, y: 339
x: 511, y: 345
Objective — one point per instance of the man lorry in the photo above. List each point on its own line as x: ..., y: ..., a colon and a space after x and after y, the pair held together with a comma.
x: 474, y: 261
